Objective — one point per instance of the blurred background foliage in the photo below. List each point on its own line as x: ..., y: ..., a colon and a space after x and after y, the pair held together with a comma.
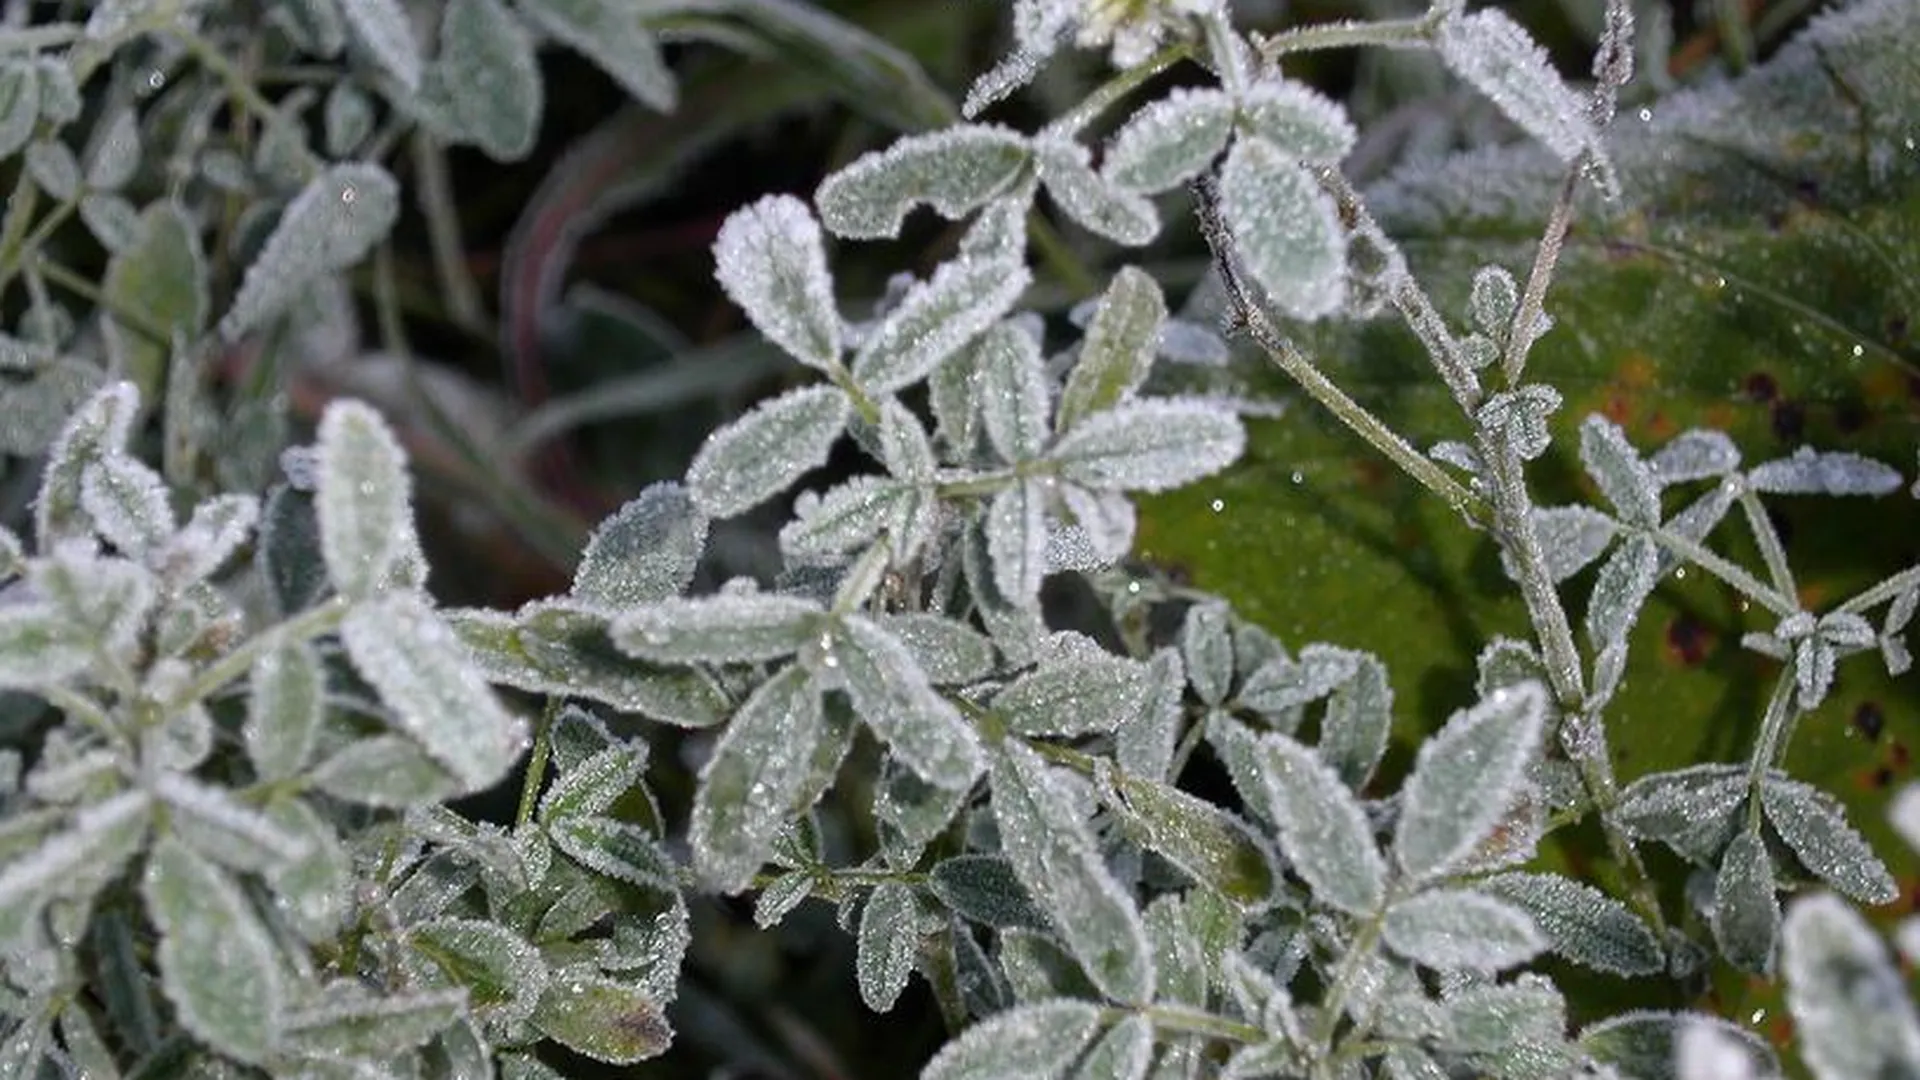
x: 570, y: 347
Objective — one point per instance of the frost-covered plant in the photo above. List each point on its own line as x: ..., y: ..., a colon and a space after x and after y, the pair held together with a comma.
x: 228, y: 849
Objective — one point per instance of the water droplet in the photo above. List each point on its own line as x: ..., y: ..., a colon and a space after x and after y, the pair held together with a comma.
x: 1759, y: 1017
x: 1133, y: 588
x: 1298, y: 477
x: 155, y: 80
x: 1646, y: 116
x: 1680, y: 574
x: 348, y: 194
x: 1858, y: 352
x: 1218, y: 505
x: 1719, y: 283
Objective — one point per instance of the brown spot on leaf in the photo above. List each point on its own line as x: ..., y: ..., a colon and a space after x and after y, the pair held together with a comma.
x: 1689, y: 640
x: 1760, y: 387
x: 1868, y: 720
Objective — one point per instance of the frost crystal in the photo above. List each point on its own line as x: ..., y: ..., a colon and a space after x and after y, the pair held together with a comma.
x: 954, y: 171
x: 1170, y: 141
x: 762, y: 453
x: 1491, y: 51
x: 1150, y: 445
x: 771, y: 261
x: 1284, y: 228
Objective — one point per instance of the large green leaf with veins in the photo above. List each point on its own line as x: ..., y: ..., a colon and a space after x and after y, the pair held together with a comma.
x: 1761, y: 276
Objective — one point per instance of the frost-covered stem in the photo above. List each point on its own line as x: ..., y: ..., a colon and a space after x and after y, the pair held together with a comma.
x: 86, y: 289
x: 977, y: 486
x: 1190, y: 1022
x: 1110, y: 93
x: 537, y: 762
x: 1513, y: 528
x: 242, y: 90
x: 78, y: 705
x: 20, y: 207
x: 305, y: 626
x: 1775, y: 724
x: 1412, y: 301
x: 1905, y: 581
x: 1782, y: 604
x: 1767, y: 538
x: 1335, y: 1001
x: 438, y: 204
x: 1291, y: 360
x: 1221, y: 44
x: 386, y: 308
x: 1402, y: 33
x: 26, y: 39
x: 1526, y: 317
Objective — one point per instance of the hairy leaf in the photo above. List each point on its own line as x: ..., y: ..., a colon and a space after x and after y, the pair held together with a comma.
x: 1037, y: 1040
x: 1465, y: 777
x: 1321, y: 825
x: 936, y: 319
x: 1150, y: 445
x: 1851, y: 1008
x: 763, y: 452
x: 771, y: 261
x: 1284, y: 228
x: 886, y: 944
x: 1170, y: 141
x: 747, y: 788
x: 646, y: 551
x: 217, y: 962
x: 609, y: 33
x: 955, y: 171
x: 333, y: 223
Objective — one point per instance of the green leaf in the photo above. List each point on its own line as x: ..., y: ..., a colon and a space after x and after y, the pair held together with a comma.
x: 387, y: 770
x: 40, y: 647
x: 763, y: 452
x: 1851, y: 1008
x: 286, y: 703
x: 218, y: 965
x: 748, y: 787
x: 91, y: 851
x: 1465, y: 778
x: 384, y: 31
x: 888, y: 940
x: 488, y: 78
x: 1691, y: 810
x: 163, y: 278
x: 96, y: 430
x: 223, y: 828
x: 504, y: 976
x: 129, y: 506
x: 314, y: 888
x: 1038, y: 1040
x: 1461, y: 930
x: 645, y: 551
x: 1815, y: 827
x: 1297, y: 121
x: 1746, y: 916
x: 1644, y: 1043
x: 1322, y: 828
x: 1009, y: 378
x: 950, y: 653
x: 1077, y: 695
x: 363, y: 501
x: 1054, y: 855
x: 985, y: 890
x: 1492, y: 52
x: 1150, y: 445
x: 1217, y: 849
x: 1097, y: 204
x: 407, y: 652
x: 893, y: 698
x: 1118, y: 349
x: 333, y: 223
x: 619, y: 850
x: 955, y: 171
x: 935, y: 320
x: 19, y: 106
x: 1170, y: 141
x: 1582, y: 923
x: 609, y: 33
x: 591, y: 786
x: 558, y: 647
x: 1284, y: 228
x: 771, y: 261
x: 1123, y: 1053
x: 727, y: 628
x: 350, y: 1023
x: 603, y: 1019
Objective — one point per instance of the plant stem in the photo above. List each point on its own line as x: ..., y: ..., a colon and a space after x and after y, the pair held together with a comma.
x: 241, y: 88
x: 1334, y: 1003
x: 1905, y: 581
x: 1192, y: 1022
x: 537, y: 761
x: 1109, y: 93
x: 1781, y: 604
x: 1526, y: 317
x: 1401, y: 33
x: 1775, y: 725
x: 305, y: 626
x: 438, y: 204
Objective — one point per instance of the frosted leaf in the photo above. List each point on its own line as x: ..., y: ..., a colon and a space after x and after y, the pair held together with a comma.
x: 1145, y: 742
x: 1118, y: 349
x: 892, y: 696
x: 1493, y: 53
x: 1582, y: 923
x: 211, y: 536
x: 1014, y: 71
x: 983, y: 889
x: 1016, y: 527
x: 559, y: 648
x: 100, y: 839
x: 936, y: 319
x: 608, y: 33
x: 646, y: 551
x: 313, y: 888
x: 1150, y: 445
x: 503, y: 974
x: 1810, y: 472
x: 1282, y: 683
x: 1746, y: 916
x: 955, y: 171
x: 348, y: 119
x: 488, y: 77
x: 1645, y: 1043
x: 13, y: 557
x: 19, y: 106
x: 950, y: 653
x: 591, y: 786
x: 1077, y: 696
x: 911, y: 813
x: 223, y: 828
x: 905, y: 449
x: 384, y: 31
x: 763, y: 452
x: 1494, y: 299
x: 364, y: 501
x: 1322, y: 828
x: 1123, y: 1053
x: 1465, y: 777
x: 347, y: 1022
x: 886, y: 944
x: 1038, y: 1040
x: 1301, y: 123
x: 1571, y: 537
x: 1461, y: 930
x: 218, y: 965
x: 40, y: 647
x: 54, y: 168
x: 1101, y: 533
x: 98, y: 429
x: 128, y: 504
x: 779, y: 897
x: 1492, y: 1017
x: 104, y: 600
x: 1698, y: 454
x: 1690, y: 810
x: 1087, y: 197
x: 285, y: 706
x: 725, y: 628
x: 771, y: 261
x: 1170, y: 141
x: 333, y: 223
x: 1625, y: 581
x: 605, y: 1020
x: 407, y: 653
x: 1212, y: 846
x: 1627, y: 481
x: 1519, y: 418
x: 1055, y: 856
x: 1011, y: 384
x: 1206, y: 646
x: 1359, y: 717
x: 388, y: 771
x: 748, y: 787
x: 846, y: 519
x: 1851, y: 1010
x: 1285, y: 230
x: 1814, y: 825
x: 1905, y: 815
x: 613, y: 849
